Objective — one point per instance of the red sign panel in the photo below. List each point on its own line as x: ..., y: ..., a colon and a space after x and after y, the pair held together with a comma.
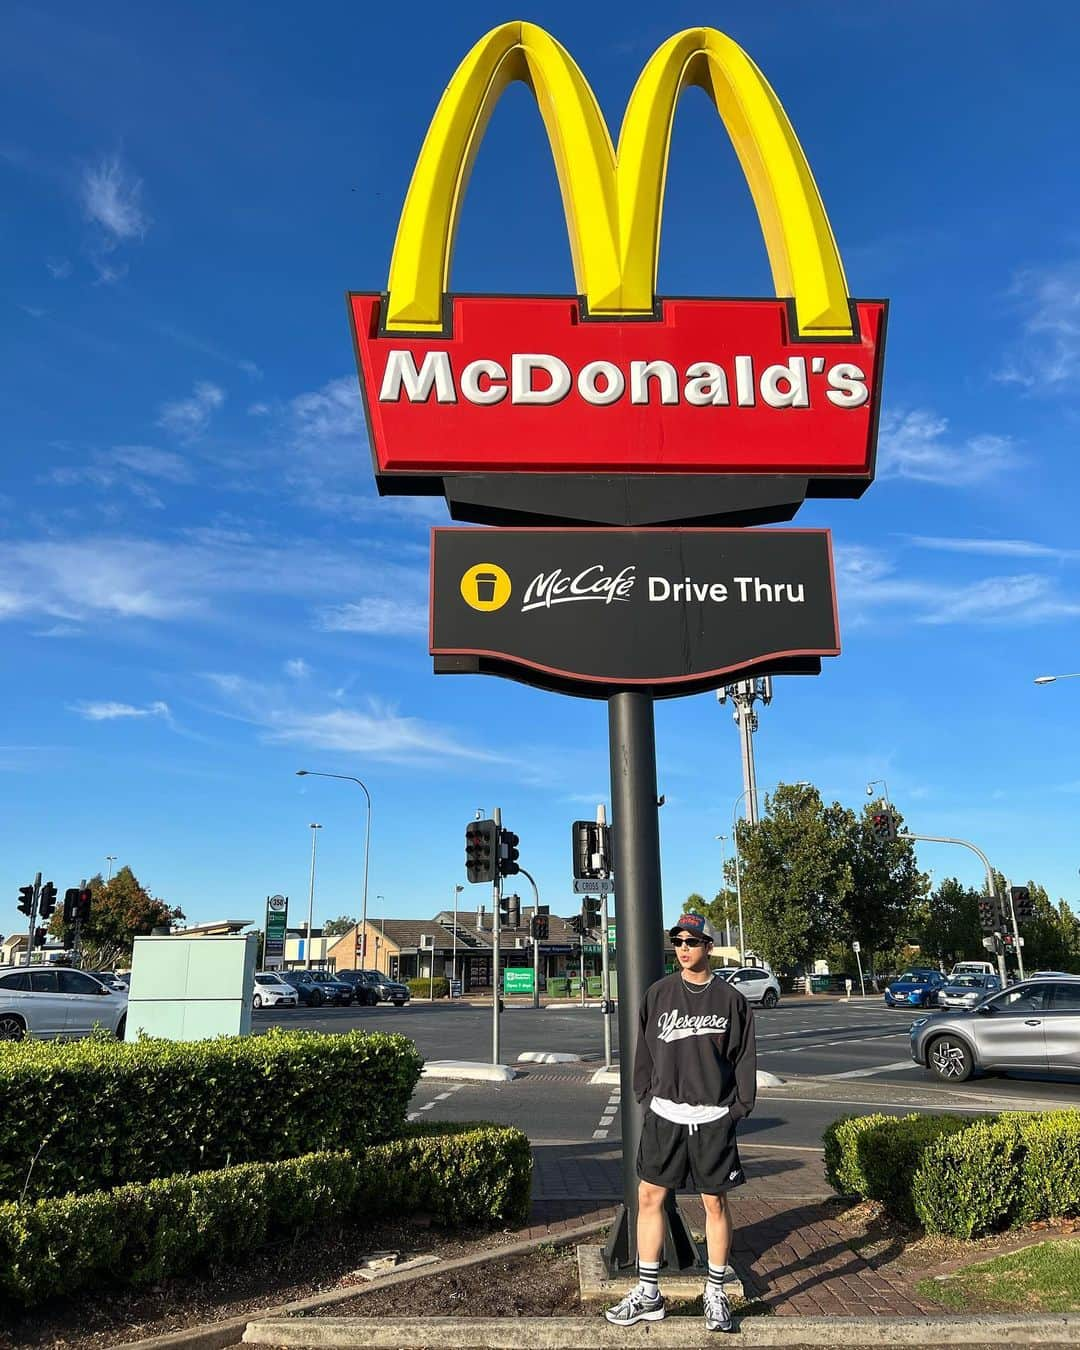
x: 525, y: 385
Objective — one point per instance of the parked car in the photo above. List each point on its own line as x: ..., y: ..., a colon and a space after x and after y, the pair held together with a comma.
x: 755, y: 985
x: 324, y: 988
x: 271, y: 991
x: 964, y: 991
x: 45, y: 1002
x: 388, y: 990
x: 972, y: 968
x: 917, y: 988
x: 1031, y: 1027
x: 363, y: 986
x: 111, y: 980
x: 307, y: 991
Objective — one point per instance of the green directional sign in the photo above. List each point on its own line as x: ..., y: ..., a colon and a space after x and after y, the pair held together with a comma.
x: 277, y: 920
x: 518, y: 980
x: 611, y: 934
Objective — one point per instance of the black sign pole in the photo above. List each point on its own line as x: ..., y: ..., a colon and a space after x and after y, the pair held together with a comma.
x: 639, y: 951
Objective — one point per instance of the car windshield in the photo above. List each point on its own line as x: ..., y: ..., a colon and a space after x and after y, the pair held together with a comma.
x: 968, y: 981
x: 267, y: 979
x: 913, y: 976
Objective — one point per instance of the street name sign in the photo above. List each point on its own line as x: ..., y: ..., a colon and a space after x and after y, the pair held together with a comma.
x: 593, y: 886
x: 589, y: 611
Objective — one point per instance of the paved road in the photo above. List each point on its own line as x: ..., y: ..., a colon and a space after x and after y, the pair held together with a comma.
x: 836, y: 1058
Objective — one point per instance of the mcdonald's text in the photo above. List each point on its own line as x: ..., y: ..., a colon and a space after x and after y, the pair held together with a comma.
x: 531, y: 385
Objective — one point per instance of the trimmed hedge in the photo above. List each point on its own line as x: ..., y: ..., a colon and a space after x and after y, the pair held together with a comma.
x: 876, y: 1157
x: 86, y: 1116
x: 421, y: 988
x: 960, y: 1176
x: 137, y: 1234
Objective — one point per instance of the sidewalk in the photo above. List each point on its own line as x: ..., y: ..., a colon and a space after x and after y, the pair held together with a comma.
x: 789, y: 1248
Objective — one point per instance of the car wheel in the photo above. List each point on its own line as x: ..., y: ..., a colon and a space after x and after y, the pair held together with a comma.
x: 317, y: 999
x: 399, y: 1003
x: 121, y: 1027
x: 770, y: 998
x: 950, y: 1059
x: 11, y: 1028
x: 257, y: 1001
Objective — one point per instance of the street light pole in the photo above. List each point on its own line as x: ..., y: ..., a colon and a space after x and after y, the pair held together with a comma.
x: 723, y: 888
x: 110, y: 858
x: 348, y: 778
x: 311, y: 894
x: 453, y: 962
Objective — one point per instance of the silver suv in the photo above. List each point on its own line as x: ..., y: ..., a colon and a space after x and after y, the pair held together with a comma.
x: 1031, y: 1027
x: 45, y: 1002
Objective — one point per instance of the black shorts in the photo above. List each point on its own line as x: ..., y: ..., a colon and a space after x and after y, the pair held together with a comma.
x: 675, y: 1157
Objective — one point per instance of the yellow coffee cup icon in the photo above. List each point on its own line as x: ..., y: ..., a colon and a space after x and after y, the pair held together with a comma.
x: 485, y: 586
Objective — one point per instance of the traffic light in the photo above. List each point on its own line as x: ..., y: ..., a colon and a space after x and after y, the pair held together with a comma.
x: 26, y: 900
x: 71, y: 900
x: 481, y: 846
x: 510, y: 910
x: 47, y: 900
x: 590, y: 911
x: 508, y: 854
x: 591, y: 849
x: 83, y: 899
x: 988, y: 916
x: 576, y: 926
x: 1023, y: 905
x: 883, y: 825
x: 1009, y: 941
x: 540, y: 928
x: 39, y: 937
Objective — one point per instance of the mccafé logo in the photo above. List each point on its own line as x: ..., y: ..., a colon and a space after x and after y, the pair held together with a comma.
x: 617, y: 380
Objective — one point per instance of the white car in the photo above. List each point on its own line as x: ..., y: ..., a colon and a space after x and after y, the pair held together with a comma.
x: 271, y: 991
x: 755, y: 985
x: 45, y: 1002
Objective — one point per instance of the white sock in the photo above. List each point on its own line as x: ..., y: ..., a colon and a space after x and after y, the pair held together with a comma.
x: 648, y: 1278
x: 715, y: 1283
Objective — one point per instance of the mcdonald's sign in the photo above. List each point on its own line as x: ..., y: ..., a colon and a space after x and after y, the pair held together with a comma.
x: 529, y: 405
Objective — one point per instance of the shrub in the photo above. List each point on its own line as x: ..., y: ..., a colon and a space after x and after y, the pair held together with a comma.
x: 843, y: 1165
x: 423, y: 988
x: 139, y: 1234
x: 890, y: 1154
x: 1050, y: 1168
x: 967, y: 1183
x: 85, y: 1116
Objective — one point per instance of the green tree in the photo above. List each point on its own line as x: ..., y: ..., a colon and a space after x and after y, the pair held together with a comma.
x: 335, y: 927
x: 721, y: 911
x: 1051, y: 936
x: 946, y: 924
x: 120, y: 911
x: 796, y: 876
x: 886, y: 886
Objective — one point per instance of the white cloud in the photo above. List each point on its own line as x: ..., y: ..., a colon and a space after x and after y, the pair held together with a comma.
x: 109, y: 712
x: 183, y: 576
x: 915, y: 444
x: 333, y: 413
x: 297, y: 668
x: 189, y: 417
x: 871, y: 589
x: 1049, y: 301
x: 59, y: 268
x: 377, y: 730
x: 112, y: 198
x: 376, y: 615
x: 1000, y: 548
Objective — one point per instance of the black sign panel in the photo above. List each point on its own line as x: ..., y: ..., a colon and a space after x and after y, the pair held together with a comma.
x: 591, y: 611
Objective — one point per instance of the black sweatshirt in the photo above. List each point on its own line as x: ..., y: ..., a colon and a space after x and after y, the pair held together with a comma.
x: 696, y: 1046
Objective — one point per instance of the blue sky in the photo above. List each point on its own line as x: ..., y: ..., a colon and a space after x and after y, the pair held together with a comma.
x: 201, y: 591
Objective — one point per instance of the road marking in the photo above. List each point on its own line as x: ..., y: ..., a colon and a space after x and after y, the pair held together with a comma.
x: 869, y: 1073
x: 821, y: 1045
x: 415, y: 1115
x: 782, y: 1148
x: 607, y: 1117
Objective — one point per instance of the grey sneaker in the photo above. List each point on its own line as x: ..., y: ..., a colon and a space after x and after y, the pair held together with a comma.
x: 636, y: 1307
x: 718, y: 1311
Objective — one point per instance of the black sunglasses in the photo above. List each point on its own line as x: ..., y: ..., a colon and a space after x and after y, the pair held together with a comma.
x: 687, y: 942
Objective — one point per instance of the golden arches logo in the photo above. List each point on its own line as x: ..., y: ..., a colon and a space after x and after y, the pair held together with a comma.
x: 613, y: 199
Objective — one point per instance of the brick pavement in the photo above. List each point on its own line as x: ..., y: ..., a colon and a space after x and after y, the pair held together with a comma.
x: 789, y: 1248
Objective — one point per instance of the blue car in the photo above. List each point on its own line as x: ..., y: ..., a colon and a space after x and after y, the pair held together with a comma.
x: 915, y: 989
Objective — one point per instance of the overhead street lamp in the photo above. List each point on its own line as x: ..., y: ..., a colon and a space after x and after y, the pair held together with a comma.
x: 348, y: 778
x: 453, y: 959
x: 311, y: 895
x: 110, y: 858
x: 873, y: 784
x: 1049, y: 679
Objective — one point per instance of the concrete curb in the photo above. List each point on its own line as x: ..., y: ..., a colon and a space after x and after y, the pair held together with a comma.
x: 469, y: 1071
x: 219, y: 1335
x: 547, y: 1057
x: 607, y: 1077
x: 593, y: 1333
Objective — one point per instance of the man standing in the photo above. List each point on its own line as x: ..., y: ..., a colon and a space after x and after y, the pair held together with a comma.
x: 696, y: 1072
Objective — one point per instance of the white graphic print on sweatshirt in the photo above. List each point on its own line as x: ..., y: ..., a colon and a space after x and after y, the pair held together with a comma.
x: 671, y: 1027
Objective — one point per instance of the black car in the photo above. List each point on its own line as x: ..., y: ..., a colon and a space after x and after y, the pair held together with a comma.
x: 315, y: 987
x: 362, y: 983
x: 386, y: 989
